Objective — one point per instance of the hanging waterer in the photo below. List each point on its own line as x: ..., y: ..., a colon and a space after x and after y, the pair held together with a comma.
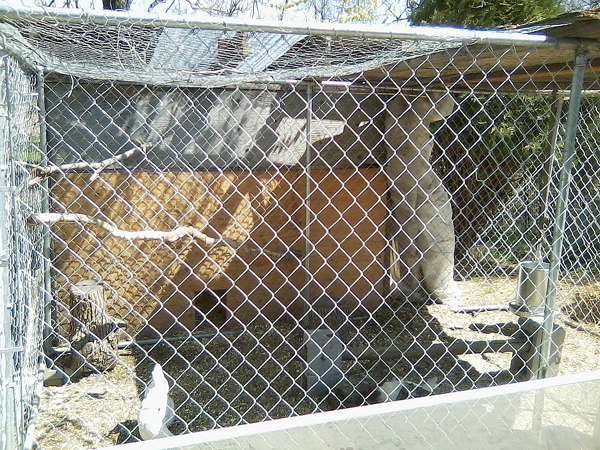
x: 531, y: 289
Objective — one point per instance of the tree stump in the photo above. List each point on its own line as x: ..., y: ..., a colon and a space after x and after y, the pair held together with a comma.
x: 94, y: 343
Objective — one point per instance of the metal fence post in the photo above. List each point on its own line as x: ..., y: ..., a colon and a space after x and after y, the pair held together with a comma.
x: 47, y: 344
x: 8, y: 437
x: 561, y: 212
x: 557, y: 240
x: 546, y: 175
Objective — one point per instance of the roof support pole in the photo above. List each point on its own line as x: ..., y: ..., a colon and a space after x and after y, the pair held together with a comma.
x: 444, y: 34
x: 560, y: 215
x: 8, y: 414
x: 15, y: 391
x: 561, y: 211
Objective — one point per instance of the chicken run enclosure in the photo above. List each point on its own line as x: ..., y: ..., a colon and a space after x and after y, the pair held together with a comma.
x: 289, y: 219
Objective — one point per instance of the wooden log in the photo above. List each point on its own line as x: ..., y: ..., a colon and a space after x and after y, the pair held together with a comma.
x: 94, y: 343
x: 423, y: 247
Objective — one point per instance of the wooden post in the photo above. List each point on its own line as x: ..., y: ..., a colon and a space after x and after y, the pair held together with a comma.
x: 423, y: 242
x: 94, y: 342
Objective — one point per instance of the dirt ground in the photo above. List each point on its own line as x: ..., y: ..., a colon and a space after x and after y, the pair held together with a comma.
x: 243, y: 377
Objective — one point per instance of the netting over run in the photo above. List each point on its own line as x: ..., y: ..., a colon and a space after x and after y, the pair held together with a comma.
x: 191, y: 56
x: 269, y: 220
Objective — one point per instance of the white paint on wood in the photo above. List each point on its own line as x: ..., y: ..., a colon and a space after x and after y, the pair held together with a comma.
x: 420, y: 204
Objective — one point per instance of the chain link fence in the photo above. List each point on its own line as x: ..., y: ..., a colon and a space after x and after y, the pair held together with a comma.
x: 21, y: 254
x: 288, y: 220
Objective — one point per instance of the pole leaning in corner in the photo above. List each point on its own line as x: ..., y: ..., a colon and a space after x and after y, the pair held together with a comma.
x: 45, y: 208
x: 307, y: 195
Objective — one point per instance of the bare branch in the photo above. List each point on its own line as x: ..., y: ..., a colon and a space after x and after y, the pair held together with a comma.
x: 39, y: 173
x: 156, y: 235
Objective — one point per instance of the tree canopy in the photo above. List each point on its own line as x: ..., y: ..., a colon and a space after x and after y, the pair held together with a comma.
x: 482, y: 13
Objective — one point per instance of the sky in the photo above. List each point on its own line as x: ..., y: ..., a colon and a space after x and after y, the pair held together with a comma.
x: 183, y: 7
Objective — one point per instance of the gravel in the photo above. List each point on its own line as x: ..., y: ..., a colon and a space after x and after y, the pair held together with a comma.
x: 257, y: 374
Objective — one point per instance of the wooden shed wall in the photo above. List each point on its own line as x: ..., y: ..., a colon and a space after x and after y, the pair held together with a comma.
x: 158, y: 281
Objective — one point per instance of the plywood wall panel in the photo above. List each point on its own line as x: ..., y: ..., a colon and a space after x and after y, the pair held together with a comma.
x: 157, y: 282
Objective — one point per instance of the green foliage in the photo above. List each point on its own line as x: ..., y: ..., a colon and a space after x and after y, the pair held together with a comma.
x: 586, y: 165
x: 360, y: 10
x: 115, y: 5
x: 485, y: 153
x: 336, y: 10
x: 482, y: 13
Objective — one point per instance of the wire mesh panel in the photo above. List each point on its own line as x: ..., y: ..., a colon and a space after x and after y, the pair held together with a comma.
x: 22, y: 254
x: 258, y: 221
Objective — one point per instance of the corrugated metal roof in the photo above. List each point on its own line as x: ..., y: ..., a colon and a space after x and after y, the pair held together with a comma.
x: 198, y: 51
x: 187, y: 50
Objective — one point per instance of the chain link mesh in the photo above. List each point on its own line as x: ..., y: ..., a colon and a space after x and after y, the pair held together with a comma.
x: 286, y: 223
x: 22, y: 254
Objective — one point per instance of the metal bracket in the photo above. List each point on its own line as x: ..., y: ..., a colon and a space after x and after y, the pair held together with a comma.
x: 11, y: 350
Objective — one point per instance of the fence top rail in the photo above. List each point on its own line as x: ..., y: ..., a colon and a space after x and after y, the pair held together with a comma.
x: 427, y: 33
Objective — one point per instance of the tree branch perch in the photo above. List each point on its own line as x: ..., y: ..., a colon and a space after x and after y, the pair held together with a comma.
x: 39, y: 173
x: 154, y: 235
